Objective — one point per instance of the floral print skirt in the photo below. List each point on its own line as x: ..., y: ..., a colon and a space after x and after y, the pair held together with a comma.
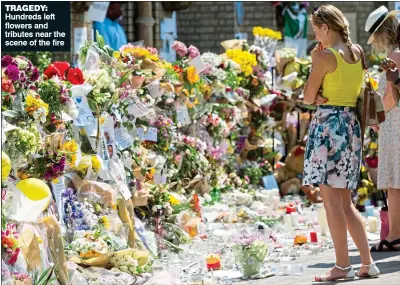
x: 333, y: 152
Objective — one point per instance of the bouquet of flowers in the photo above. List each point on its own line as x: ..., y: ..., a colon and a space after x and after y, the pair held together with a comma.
x: 18, y: 74
x: 89, y: 166
x: 266, y: 38
x: 250, y: 251
x: 131, y: 261
x: 21, y: 143
x: 10, y: 247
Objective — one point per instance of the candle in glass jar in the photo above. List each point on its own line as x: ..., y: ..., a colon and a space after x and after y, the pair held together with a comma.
x: 322, y: 220
x: 276, y: 200
x: 295, y: 218
x: 287, y: 220
x: 313, y: 237
x: 373, y: 224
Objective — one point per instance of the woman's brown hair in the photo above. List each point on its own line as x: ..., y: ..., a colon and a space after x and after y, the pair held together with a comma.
x: 334, y: 19
x: 386, y: 37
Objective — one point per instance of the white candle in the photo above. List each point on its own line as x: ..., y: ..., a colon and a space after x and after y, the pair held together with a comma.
x: 322, y: 220
x: 373, y: 224
x: 295, y: 219
x: 287, y: 220
x: 275, y: 203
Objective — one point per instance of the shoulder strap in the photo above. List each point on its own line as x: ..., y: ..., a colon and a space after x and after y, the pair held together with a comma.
x: 363, y: 61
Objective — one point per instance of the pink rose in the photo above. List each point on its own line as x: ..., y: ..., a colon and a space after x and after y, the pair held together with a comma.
x: 180, y: 48
x: 193, y: 51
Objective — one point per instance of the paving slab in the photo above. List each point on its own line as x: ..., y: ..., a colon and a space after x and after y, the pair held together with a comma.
x: 387, y: 262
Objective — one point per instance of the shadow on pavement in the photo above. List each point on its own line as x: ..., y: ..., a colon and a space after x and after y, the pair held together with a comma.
x: 385, y: 266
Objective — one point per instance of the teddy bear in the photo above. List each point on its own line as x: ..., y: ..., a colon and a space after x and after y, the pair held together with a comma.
x: 288, y: 175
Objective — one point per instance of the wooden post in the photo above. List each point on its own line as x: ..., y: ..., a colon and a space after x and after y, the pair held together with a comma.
x: 145, y: 23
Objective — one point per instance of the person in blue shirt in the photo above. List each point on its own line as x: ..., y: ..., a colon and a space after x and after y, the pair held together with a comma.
x: 110, y: 29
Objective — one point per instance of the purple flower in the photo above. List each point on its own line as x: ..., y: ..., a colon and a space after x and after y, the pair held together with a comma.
x: 193, y: 51
x: 35, y: 74
x: 6, y: 61
x: 12, y: 72
x: 180, y: 48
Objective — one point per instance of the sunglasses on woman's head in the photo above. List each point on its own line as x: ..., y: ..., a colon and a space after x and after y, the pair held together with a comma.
x: 315, y: 10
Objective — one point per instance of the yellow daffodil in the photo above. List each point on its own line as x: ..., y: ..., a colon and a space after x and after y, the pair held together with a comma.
x: 173, y: 200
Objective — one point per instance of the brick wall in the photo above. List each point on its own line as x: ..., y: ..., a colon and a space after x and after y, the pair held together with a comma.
x: 206, y: 24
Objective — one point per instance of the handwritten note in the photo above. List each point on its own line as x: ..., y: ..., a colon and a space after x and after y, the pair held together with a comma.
x: 117, y: 172
x: 85, y: 116
x: 182, y: 115
x: 122, y: 138
x: 138, y: 109
x: 149, y: 135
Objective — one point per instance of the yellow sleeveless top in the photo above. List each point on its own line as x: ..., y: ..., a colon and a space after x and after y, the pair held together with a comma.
x: 343, y: 86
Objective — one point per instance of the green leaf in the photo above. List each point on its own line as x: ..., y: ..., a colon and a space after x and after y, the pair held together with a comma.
x: 99, y: 40
x: 124, y: 78
x: 10, y: 113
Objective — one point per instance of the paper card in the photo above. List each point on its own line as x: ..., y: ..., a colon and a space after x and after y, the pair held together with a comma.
x: 198, y: 64
x: 160, y: 161
x: 160, y: 176
x: 98, y: 11
x: 140, y: 133
x: 151, y: 134
x: 58, y: 190
x: 122, y: 138
x: 92, y: 63
x: 270, y: 182
x: 126, y: 193
x: 85, y: 116
x: 138, y: 109
x: 154, y: 89
x: 91, y: 130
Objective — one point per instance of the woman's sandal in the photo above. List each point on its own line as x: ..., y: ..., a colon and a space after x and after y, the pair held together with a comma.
x: 373, y: 272
x: 350, y: 275
x: 389, y: 246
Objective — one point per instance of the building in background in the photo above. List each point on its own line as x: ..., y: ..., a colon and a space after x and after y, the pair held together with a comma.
x: 204, y: 24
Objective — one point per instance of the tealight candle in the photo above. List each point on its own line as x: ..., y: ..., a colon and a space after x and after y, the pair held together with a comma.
x: 290, y: 209
x: 373, y: 224
x: 295, y: 218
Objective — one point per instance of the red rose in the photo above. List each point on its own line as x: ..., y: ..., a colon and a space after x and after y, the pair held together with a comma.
x: 299, y: 151
x: 51, y: 71
x: 7, y: 86
x: 62, y: 66
x: 75, y: 76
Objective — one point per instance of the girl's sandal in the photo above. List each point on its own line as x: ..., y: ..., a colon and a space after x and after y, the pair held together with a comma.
x: 349, y: 276
x: 373, y: 272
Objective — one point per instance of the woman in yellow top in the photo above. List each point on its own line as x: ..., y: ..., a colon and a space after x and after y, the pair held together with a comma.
x: 333, y: 154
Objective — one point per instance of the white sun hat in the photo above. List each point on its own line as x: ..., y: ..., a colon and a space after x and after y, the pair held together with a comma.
x: 376, y: 19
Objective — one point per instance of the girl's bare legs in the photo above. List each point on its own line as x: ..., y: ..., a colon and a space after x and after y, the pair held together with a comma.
x: 394, y: 215
x: 333, y: 202
x: 357, y: 230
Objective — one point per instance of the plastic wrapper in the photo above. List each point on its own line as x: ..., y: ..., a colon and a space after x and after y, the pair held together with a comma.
x: 56, y: 247
x: 101, y: 276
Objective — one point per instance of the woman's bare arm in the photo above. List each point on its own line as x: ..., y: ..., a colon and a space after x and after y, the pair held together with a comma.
x: 316, y: 77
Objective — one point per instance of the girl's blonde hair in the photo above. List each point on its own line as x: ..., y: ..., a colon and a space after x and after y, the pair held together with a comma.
x: 385, y: 38
x: 334, y: 19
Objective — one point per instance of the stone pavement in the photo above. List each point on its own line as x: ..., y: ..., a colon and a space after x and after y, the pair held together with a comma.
x: 388, y: 263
